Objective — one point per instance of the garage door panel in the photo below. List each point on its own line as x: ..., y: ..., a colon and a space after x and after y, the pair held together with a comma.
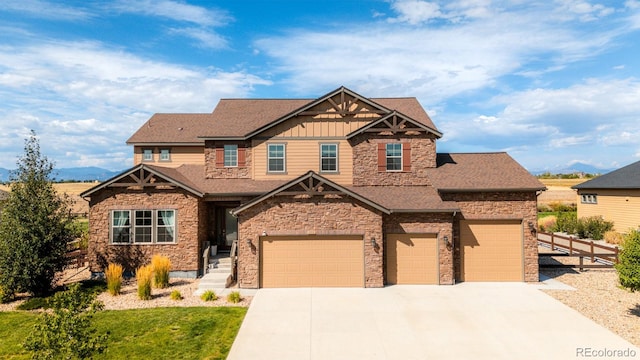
x: 491, y: 250
x: 312, y: 261
x: 412, y: 259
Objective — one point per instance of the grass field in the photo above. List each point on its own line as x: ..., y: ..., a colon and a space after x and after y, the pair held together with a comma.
x: 158, y: 333
x: 64, y: 188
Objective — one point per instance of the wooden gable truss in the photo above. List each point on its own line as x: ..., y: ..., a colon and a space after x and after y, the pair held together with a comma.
x: 395, y: 123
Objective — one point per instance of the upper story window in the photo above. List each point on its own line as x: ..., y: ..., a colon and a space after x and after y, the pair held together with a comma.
x: 589, y: 198
x: 230, y: 155
x: 394, y: 156
x: 143, y: 226
x: 328, y: 157
x: 147, y: 154
x: 276, y: 158
x: 165, y: 155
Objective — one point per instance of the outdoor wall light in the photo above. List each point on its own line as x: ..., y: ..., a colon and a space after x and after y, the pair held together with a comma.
x: 248, y: 241
x: 532, y: 227
x: 373, y: 242
x: 446, y: 240
x: 264, y: 233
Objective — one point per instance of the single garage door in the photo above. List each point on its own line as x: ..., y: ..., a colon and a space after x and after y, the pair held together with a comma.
x: 491, y: 250
x: 311, y: 261
x: 412, y: 259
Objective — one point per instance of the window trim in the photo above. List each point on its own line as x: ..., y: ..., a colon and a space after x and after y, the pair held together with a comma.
x: 337, y: 158
x: 591, y: 199
x: 224, y: 155
x: 155, y: 214
x: 387, y: 157
x: 144, y: 159
x: 284, y: 159
x: 160, y: 155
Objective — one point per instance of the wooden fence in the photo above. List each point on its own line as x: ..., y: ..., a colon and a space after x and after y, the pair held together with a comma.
x: 606, y: 256
x: 76, y: 258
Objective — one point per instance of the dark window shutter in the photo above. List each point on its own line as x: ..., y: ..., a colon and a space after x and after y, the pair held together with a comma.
x: 382, y: 157
x: 242, y: 157
x: 220, y: 157
x: 406, y: 156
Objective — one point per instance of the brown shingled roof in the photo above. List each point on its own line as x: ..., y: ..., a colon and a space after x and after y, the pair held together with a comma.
x: 481, y: 172
x: 236, y: 118
x: 406, y: 198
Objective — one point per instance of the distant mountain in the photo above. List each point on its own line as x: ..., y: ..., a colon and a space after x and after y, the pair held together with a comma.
x: 576, y: 167
x: 89, y: 173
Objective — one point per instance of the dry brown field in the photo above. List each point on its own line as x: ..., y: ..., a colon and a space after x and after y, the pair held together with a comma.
x: 559, y: 191
x: 80, y: 206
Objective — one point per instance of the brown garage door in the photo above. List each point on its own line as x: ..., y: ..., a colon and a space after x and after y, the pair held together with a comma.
x: 412, y: 259
x: 491, y: 250
x: 311, y: 261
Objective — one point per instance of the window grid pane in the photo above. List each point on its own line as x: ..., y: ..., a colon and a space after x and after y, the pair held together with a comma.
x: 394, y: 157
x: 231, y: 155
x: 147, y: 155
x: 329, y: 157
x: 144, y: 225
x: 121, y: 226
x: 275, y: 158
x: 165, y: 226
x: 165, y: 155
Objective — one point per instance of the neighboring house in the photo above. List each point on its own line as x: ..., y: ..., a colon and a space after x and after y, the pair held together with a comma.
x: 614, y: 196
x: 341, y: 190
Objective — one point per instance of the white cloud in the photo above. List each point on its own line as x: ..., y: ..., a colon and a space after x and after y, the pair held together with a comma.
x: 415, y: 11
x: 45, y: 9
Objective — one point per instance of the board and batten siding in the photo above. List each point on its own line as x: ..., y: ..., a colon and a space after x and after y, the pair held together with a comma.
x: 302, y: 156
x: 326, y: 125
x: 193, y: 155
x: 620, y: 206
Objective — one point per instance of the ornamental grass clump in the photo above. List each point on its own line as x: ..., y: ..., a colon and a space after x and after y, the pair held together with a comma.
x: 234, y: 297
x: 161, y: 266
x: 209, y: 295
x: 113, y: 273
x: 175, y: 295
x: 144, y: 275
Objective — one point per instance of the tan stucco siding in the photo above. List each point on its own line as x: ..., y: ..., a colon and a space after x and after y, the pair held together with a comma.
x: 620, y: 206
x: 302, y: 156
x: 179, y: 155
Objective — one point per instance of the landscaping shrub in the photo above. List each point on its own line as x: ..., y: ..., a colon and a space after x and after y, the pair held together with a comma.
x: 566, y: 222
x: 175, y: 295
x: 5, y: 296
x: 161, y: 266
x: 629, y: 261
x: 544, y: 208
x: 67, y: 331
x: 547, y: 223
x: 593, y: 227
x: 144, y: 275
x: 34, y: 303
x: 562, y: 207
x: 114, y: 278
x: 234, y: 297
x: 613, y: 237
x: 209, y: 295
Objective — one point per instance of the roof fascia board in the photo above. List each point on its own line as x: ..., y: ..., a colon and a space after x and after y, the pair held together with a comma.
x: 397, y: 113
x: 137, y: 168
x: 393, y: 211
x: 314, y: 103
x: 308, y: 175
x: 166, y: 143
x: 443, y: 190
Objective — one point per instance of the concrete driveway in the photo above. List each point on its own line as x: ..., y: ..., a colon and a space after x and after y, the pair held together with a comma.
x: 465, y: 321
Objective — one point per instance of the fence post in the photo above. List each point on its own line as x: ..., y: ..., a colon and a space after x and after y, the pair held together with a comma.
x: 581, y: 263
x: 552, y: 245
x: 616, y: 252
x: 570, y: 245
x: 591, y: 250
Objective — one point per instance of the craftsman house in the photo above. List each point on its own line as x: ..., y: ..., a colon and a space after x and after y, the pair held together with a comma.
x: 342, y: 190
x: 614, y: 196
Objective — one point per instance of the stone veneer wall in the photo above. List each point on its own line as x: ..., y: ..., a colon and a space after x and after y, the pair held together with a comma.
x: 213, y: 172
x: 496, y: 206
x: 428, y: 223
x: 287, y: 215
x: 365, y: 160
x: 185, y: 254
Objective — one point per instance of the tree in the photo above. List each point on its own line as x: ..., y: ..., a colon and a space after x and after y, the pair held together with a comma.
x: 628, y: 265
x: 67, y: 332
x: 35, y: 227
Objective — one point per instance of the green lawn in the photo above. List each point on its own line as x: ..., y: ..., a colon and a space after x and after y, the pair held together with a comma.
x: 158, y: 333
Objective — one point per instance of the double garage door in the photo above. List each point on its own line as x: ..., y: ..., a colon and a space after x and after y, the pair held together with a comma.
x: 491, y: 250
x: 311, y: 261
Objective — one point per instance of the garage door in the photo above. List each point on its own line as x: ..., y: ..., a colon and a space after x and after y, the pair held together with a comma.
x: 311, y: 261
x: 412, y: 259
x: 491, y: 250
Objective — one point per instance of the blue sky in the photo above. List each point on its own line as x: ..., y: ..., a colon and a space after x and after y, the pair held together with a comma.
x: 551, y: 82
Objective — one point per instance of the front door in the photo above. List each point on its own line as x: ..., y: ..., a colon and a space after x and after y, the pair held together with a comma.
x: 227, y: 228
